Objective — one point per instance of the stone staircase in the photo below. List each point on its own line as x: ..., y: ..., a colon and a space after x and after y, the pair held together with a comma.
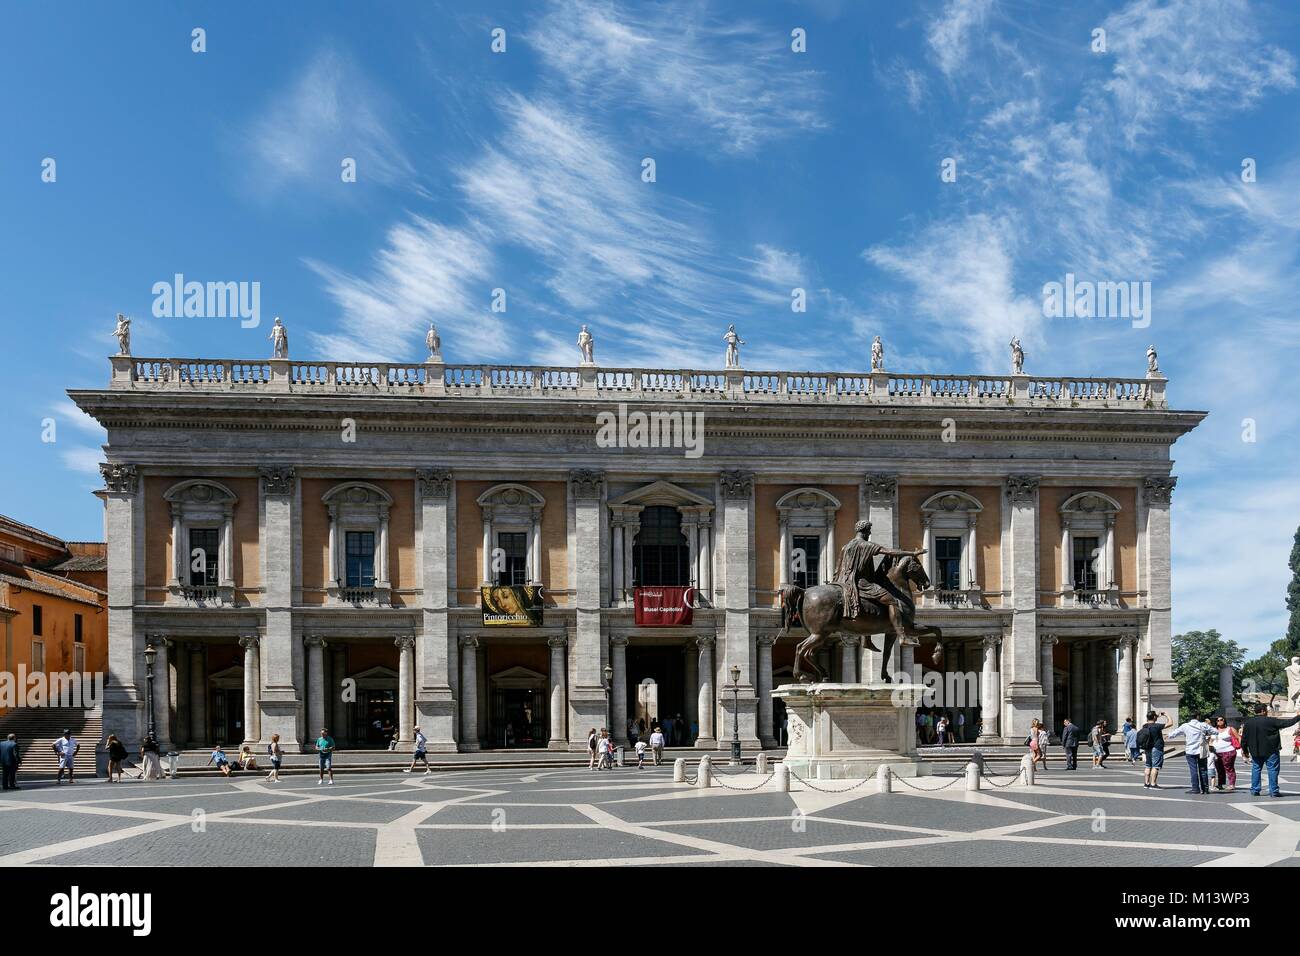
x: 38, y: 727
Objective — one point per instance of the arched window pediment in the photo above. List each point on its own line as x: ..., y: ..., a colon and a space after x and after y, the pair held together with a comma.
x: 809, y: 501
x: 357, y: 493
x: 1090, y: 503
x: 950, y: 502
x: 199, y: 492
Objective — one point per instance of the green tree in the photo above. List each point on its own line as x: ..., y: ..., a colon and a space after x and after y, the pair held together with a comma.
x: 1293, y: 601
x: 1197, y: 657
x: 1265, y: 675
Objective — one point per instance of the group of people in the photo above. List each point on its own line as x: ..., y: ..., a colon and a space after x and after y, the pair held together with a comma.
x: 1210, y: 746
x: 676, y: 731
x: 940, y: 727
x: 601, y: 748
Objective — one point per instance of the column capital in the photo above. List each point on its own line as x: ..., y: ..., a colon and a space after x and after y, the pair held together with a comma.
x: 249, y: 641
x: 1047, y: 640
x: 586, y: 482
x: 469, y: 641
x: 618, y: 640
x: 736, y: 483
x: 1022, y: 488
x: 991, y: 640
x: 120, y: 479
x: 557, y: 641
x: 315, y: 640
x: 881, y: 487
x: 766, y: 640
x: 1158, y: 489
x: 405, y: 641
x: 158, y: 639
x: 705, y: 640
x: 277, y: 480
x: 434, y: 482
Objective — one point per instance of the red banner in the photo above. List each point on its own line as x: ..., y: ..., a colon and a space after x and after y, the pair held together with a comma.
x: 662, y: 606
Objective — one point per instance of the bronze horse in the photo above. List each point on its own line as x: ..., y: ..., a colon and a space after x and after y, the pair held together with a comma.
x: 821, y: 610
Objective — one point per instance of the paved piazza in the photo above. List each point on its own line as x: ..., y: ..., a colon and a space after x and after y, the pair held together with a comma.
x: 574, y: 817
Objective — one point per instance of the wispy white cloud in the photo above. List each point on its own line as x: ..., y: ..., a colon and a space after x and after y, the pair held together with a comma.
x: 84, y: 461
x: 330, y: 112
x: 949, y: 33
x: 693, y: 75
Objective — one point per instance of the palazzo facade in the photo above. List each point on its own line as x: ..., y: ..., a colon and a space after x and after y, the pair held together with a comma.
x: 308, y: 544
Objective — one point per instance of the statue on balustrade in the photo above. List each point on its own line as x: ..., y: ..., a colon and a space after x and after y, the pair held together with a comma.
x: 279, y: 340
x: 587, y: 346
x: 877, y: 355
x: 734, y: 342
x: 123, y: 334
x: 1153, y: 361
x: 433, y: 344
x: 1017, y: 357
x: 872, y: 594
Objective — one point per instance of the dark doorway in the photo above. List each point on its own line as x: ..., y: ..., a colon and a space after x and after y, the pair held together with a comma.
x: 666, y: 666
x: 518, y: 717
x: 228, y: 717
x: 376, y: 719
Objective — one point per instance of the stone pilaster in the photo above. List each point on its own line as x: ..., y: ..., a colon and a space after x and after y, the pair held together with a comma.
x: 737, y: 500
x: 281, y: 654
x: 705, y: 740
x: 468, y: 694
x: 765, y: 680
x: 1157, y: 491
x: 881, y: 496
x: 435, y: 652
x: 1022, y: 691
x: 587, y: 658
x: 124, y: 694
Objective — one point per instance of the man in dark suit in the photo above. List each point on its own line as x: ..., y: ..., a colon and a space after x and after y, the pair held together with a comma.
x: 1070, y: 741
x: 9, y: 763
x: 1262, y: 745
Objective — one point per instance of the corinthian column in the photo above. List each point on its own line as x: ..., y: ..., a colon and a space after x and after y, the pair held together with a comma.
x: 558, y: 645
x: 765, y: 731
x: 468, y: 694
x: 1048, y: 641
x: 706, y: 741
x: 252, y: 687
x: 618, y: 690
x: 315, y: 687
x: 990, y: 691
x: 405, y: 688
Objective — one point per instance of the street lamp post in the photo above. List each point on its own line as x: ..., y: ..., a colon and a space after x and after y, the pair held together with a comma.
x: 609, y: 721
x: 150, y: 655
x: 735, y: 714
x: 1149, y: 662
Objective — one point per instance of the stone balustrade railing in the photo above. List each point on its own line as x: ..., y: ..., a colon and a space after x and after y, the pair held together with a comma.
x: 627, y: 384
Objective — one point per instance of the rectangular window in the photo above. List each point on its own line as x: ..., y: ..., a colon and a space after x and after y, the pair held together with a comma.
x: 76, y: 628
x: 514, y: 544
x: 360, y: 559
x: 38, y: 656
x: 805, y: 560
x: 79, y: 658
x: 947, y: 564
x: 1086, y: 554
x: 38, y: 621
x: 203, y: 557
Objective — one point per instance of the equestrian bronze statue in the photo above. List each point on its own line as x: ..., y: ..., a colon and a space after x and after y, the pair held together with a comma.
x: 871, y: 594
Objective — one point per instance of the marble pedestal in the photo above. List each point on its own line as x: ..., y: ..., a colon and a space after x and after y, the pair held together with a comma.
x: 840, y: 731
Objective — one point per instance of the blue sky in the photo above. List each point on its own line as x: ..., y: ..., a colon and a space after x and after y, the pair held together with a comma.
x: 774, y: 169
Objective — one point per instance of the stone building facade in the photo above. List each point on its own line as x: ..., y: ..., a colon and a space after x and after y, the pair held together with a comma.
x: 305, y: 544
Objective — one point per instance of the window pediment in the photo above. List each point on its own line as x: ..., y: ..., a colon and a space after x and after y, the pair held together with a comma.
x: 662, y: 493
x: 1090, y: 503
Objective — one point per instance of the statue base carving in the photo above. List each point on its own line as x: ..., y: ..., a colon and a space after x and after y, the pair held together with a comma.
x: 849, y: 731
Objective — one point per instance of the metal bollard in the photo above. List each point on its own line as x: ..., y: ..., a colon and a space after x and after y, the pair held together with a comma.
x: 704, y: 777
x: 782, y: 778
x: 972, y: 776
x: 760, y: 764
x: 885, y: 778
x: 1027, y: 765
x: 679, y: 770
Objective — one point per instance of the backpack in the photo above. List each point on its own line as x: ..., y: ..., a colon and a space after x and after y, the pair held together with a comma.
x: 1144, y: 738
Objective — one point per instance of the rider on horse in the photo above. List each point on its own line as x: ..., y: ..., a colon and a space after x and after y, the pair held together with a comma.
x: 860, y: 579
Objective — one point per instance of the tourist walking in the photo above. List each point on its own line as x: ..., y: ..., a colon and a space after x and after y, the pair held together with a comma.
x: 1043, y: 738
x: 325, y: 756
x: 219, y: 758
x: 116, y: 754
x: 1070, y: 733
x: 941, y: 728
x: 276, y: 753
x: 421, y: 742
x: 657, y: 745
x: 961, y: 726
x: 9, y: 755
x: 66, y: 747
x: 1151, y: 740
x: 592, y: 742
x: 1261, y: 744
x: 640, y: 754
x: 1194, y: 732
x: 1031, y: 741
x: 1226, y: 742
x: 1094, y: 741
x: 1103, y: 738
x: 1130, y: 744
x: 150, y: 759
